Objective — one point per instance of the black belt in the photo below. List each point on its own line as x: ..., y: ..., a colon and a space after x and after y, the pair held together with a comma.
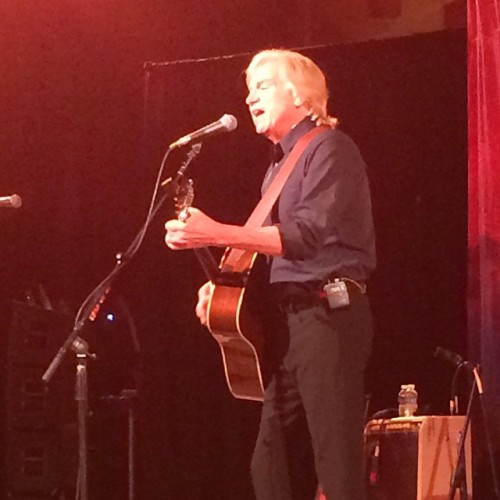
x: 307, y: 300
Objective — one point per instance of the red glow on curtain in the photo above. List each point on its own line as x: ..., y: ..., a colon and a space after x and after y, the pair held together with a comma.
x: 484, y: 200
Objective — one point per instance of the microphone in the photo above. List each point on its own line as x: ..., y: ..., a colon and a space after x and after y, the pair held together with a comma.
x: 13, y: 201
x: 451, y: 357
x: 226, y: 123
x: 454, y: 359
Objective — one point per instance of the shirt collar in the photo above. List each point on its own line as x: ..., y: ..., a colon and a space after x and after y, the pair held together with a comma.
x: 276, y: 154
x: 290, y: 139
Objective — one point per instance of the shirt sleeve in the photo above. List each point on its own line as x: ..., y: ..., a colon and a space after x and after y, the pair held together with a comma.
x: 334, y: 175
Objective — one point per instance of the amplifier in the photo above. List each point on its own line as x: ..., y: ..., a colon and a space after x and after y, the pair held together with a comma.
x: 413, y: 458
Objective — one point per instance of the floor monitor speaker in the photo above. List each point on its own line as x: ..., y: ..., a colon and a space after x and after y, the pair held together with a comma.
x: 414, y: 458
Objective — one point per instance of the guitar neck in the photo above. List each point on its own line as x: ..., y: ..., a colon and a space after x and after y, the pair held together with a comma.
x: 208, y: 263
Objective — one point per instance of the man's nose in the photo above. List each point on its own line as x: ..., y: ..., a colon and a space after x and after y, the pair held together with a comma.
x: 251, y: 98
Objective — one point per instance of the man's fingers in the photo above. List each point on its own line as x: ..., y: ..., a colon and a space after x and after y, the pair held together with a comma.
x: 173, y: 245
x: 174, y: 224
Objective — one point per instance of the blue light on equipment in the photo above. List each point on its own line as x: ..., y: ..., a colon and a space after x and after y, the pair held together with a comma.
x: 110, y: 317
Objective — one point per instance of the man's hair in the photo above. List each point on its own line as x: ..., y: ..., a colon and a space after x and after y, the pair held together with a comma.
x: 303, y: 76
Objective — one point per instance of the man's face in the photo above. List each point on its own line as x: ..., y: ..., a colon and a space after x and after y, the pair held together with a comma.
x: 271, y: 103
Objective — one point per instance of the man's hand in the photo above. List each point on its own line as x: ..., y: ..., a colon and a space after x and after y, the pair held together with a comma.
x: 199, y: 230
x: 204, y: 294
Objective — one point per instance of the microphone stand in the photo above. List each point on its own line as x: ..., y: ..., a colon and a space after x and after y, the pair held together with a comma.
x: 459, y: 475
x: 89, y: 310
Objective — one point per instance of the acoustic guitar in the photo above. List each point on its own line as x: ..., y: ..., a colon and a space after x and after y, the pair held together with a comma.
x: 231, y: 317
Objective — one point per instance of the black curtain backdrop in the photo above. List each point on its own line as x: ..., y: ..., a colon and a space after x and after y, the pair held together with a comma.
x: 87, y: 174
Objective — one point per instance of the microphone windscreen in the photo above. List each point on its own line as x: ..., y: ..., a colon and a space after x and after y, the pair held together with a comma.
x: 230, y: 122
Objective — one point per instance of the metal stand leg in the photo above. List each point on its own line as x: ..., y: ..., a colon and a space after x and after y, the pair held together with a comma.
x: 489, y: 442
x: 458, y: 478
x: 129, y: 397
x: 131, y: 476
x: 459, y: 474
x: 81, y: 397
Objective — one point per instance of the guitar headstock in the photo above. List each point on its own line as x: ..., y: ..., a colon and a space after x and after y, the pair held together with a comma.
x: 184, y: 197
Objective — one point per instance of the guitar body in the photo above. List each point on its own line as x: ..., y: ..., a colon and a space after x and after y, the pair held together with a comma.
x: 237, y: 330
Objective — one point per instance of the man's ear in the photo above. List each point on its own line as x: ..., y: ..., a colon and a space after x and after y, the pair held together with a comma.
x: 297, y: 101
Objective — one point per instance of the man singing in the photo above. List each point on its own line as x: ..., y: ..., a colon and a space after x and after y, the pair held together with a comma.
x: 321, y: 243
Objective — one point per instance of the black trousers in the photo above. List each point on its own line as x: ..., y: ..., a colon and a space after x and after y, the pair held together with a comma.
x: 319, y: 384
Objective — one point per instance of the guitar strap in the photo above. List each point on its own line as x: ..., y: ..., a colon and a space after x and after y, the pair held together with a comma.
x: 237, y: 260
x: 266, y: 203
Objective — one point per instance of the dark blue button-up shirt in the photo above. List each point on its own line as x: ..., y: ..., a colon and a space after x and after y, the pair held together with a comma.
x: 324, y: 212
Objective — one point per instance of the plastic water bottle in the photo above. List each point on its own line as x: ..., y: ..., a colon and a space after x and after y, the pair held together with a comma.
x: 407, y: 400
